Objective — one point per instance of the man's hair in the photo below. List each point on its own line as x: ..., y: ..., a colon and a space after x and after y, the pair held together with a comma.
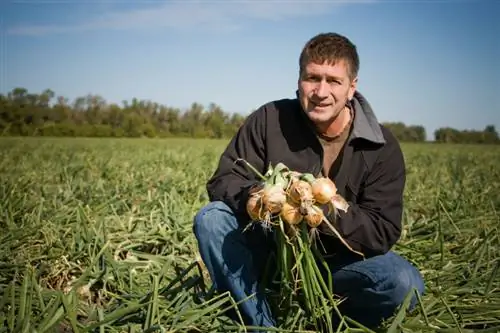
x: 330, y: 47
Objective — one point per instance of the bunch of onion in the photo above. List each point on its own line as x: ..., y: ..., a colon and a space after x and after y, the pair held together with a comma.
x: 311, y: 194
x: 296, y: 197
x: 292, y: 203
x: 308, y: 190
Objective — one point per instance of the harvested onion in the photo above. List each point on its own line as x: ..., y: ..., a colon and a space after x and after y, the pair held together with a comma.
x: 290, y: 213
x: 255, y: 207
x: 300, y: 191
x: 323, y: 190
x: 273, y: 198
x: 314, y: 216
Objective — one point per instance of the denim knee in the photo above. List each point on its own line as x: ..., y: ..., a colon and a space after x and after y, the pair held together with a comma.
x: 402, y: 279
x: 402, y: 283
x: 381, y: 282
x: 212, y: 219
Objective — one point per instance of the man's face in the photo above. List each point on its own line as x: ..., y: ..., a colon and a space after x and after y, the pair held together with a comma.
x: 324, y: 90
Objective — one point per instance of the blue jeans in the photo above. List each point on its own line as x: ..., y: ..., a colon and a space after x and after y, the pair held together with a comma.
x: 235, y: 260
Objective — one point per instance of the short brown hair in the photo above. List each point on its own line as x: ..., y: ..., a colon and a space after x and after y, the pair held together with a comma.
x: 330, y: 47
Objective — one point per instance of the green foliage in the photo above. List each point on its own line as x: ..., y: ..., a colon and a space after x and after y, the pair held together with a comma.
x: 407, y: 133
x: 29, y: 114
x: 450, y: 135
x: 97, y: 235
x: 26, y: 114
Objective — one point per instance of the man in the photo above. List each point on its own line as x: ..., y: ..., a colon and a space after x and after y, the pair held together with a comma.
x: 329, y: 129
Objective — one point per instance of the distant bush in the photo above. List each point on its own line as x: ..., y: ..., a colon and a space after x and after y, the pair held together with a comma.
x: 30, y: 114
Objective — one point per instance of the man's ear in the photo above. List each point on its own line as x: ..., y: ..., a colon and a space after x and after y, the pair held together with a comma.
x: 352, y: 88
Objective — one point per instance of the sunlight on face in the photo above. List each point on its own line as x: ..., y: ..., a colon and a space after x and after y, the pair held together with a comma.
x: 324, y: 90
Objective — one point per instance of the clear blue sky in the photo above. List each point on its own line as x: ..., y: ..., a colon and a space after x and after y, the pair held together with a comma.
x: 435, y: 63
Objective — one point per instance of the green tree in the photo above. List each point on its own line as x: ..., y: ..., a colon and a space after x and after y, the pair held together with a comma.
x: 26, y: 113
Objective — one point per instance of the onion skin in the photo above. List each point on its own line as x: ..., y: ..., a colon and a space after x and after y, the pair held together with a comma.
x: 323, y: 190
x: 340, y: 203
x: 255, y: 207
x: 300, y: 191
x: 290, y: 213
x: 314, y: 216
x: 273, y: 197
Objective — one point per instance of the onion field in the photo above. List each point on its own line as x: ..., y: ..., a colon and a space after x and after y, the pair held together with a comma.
x: 97, y: 237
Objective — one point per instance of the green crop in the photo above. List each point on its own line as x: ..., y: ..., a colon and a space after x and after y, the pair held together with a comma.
x: 97, y: 237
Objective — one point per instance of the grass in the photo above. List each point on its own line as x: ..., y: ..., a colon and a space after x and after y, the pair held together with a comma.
x: 97, y: 237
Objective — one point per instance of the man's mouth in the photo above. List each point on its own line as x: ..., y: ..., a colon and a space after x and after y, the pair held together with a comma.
x: 321, y: 105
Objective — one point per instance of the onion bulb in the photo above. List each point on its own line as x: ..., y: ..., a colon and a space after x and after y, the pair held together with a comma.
x: 273, y: 198
x: 255, y: 207
x: 300, y: 191
x: 314, y: 216
x: 290, y: 213
x: 323, y: 190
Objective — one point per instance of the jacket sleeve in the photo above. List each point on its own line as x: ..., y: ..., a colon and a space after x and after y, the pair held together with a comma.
x: 373, y: 225
x: 232, y: 180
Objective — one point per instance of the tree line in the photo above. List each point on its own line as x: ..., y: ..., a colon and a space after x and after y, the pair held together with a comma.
x: 23, y: 113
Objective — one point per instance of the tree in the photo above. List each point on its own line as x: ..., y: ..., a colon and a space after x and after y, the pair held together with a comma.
x: 25, y: 113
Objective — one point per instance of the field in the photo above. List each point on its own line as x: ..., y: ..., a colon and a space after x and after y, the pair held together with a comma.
x: 97, y: 236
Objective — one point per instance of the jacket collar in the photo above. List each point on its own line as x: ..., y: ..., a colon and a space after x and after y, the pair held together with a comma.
x: 365, y: 124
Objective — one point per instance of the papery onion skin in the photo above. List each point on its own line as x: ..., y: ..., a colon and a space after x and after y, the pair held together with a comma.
x: 340, y: 203
x: 290, y: 213
x: 255, y: 207
x: 300, y: 191
x: 273, y: 198
x: 323, y: 190
x: 314, y: 216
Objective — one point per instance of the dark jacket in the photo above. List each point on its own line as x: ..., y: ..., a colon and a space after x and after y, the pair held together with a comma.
x: 369, y: 173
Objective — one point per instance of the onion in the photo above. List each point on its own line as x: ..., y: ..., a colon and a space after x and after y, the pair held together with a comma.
x: 323, y: 190
x: 273, y: 198
x: 255, y: 207
x: 290, y: 213
x: 300, y: 191
x: 314, y: 216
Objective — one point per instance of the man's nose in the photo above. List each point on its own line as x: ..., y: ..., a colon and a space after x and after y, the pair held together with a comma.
x: 323, y: 89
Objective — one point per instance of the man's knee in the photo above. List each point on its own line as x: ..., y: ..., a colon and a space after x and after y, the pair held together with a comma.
x: 212, y: 219
x: 388, y: 279
x: 407, y: 280
x: 375, y: 288
x: 403, y: 279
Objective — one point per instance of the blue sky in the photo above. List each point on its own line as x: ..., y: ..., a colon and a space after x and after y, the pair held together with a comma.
x: 435, y: 63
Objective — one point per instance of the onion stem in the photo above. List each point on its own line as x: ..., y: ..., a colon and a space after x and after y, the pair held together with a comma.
x: 293, y: 210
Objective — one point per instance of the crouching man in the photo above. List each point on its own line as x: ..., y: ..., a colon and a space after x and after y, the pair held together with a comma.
x: 329, y: 129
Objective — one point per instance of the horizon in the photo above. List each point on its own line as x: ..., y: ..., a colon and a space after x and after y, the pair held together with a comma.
x: 436, y: 61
